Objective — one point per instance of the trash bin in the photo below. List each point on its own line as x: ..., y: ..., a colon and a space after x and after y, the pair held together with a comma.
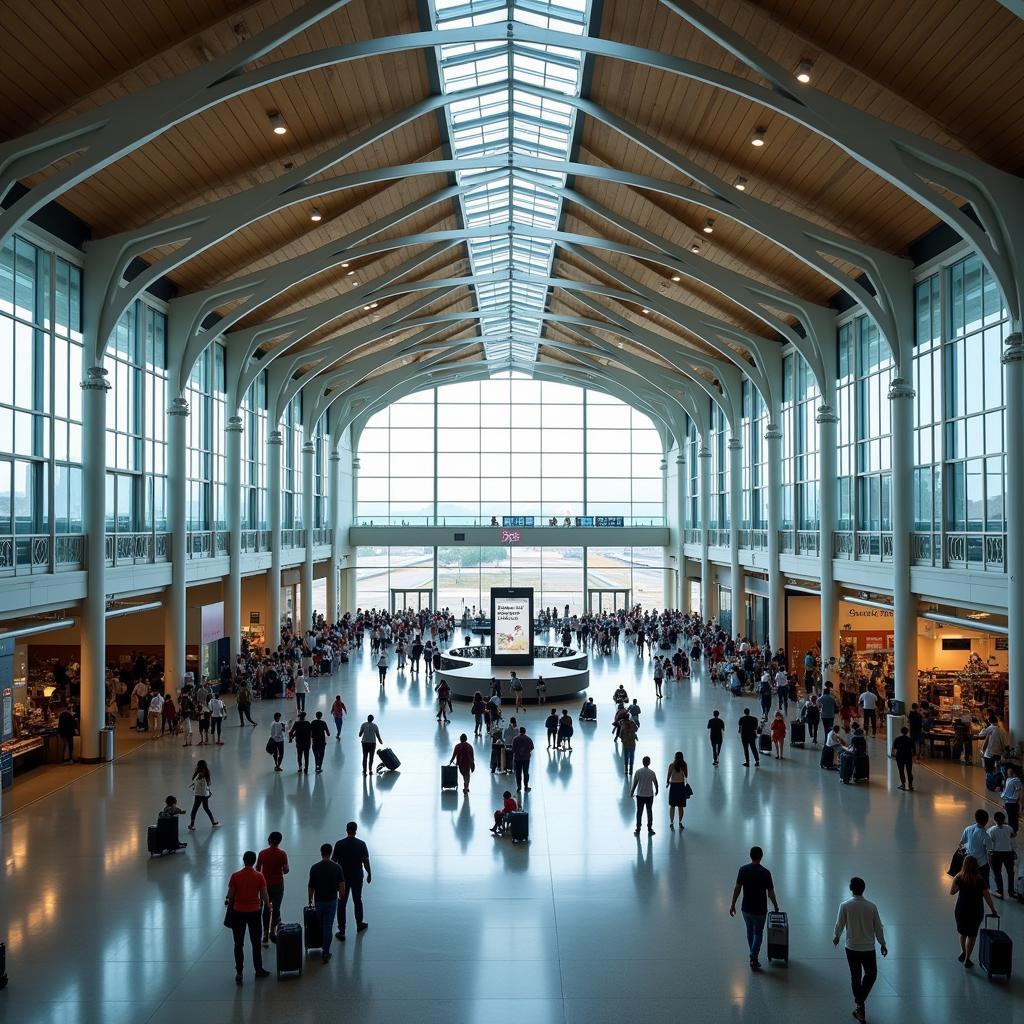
x: 894, y: 725
x: 107, y: 744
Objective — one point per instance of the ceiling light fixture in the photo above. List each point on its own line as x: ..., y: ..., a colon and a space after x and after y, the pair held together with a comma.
x: 695, y: 247
x: 740, y: 183
x: 277, y: 122
x: 645, y: 310
x: 315, y: 215
x: 345, y: 265
x: 351, y: 273
x: 758, y: 138
x: 676, y: 278
x: 803, y: 71
x: 709, y: 225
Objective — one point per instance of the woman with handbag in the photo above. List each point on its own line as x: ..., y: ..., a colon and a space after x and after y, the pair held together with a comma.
x: 679, y: 790
x: 200, y: 785
x: 971, y: 892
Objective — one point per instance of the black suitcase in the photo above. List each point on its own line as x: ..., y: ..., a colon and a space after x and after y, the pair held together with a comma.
x: 388, y: 761
x: 828, y: 757
x: 289, y: 949
x: 995, y: 950
x: 778, y: 937
x: 847, y: 759
x: 797, y: 734
x: 449, y: 776
x: 153, y: 841
x: 519, y: 826
x: 861, y: 767
x: 3, y: 965
x: 764, y: 743
x: 312, y: 933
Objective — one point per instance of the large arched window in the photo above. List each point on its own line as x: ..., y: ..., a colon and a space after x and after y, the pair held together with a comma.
x: 509, y: 446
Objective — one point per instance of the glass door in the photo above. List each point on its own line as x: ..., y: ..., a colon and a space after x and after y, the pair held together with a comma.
x: 607, y: 601
x: 411, y: 600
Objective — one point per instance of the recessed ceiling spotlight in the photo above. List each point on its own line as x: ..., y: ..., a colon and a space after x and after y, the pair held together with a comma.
x: 709, y: 225
x: 645, y: 310
x: 277, y: 123
x: 803, y: 71
x: 351, y: 273
x: 353, y: 282
x: 373, y: 305
x: 315, y: 215
x: 695, y: 247
x: 366, y: 307
x: 758, y: 138
x: 740, y: 183
x: 344, y: 264
x: 676, y: 278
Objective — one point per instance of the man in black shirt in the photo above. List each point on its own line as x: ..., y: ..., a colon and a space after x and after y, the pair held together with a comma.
x: 353, y: 857
x: 716, y: 730
x: 748, y: 726
x: 326, y: 885
x: 302, y: 732
x: 319, y: 734
x: 903, y: 754
x: 755, y: 882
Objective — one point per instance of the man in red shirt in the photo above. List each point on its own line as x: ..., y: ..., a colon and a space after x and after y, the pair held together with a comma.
x: 272, y: 863
x: 247, y: 890
x: 464, y: 757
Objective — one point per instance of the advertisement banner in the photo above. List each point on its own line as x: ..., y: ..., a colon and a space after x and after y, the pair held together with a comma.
x: 512, y: 625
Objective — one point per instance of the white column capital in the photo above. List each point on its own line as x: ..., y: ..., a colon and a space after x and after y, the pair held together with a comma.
x: 900, y: 387
x: 308, y: 448
x: 234, y: 424
x: 355, y: 465
x: 826, y: 414
x: 664, y: 465
x: 772, y: 432
x: 680, y: 460
x: 275, y: 438
x: 1013, y: 349
x: 734, y: 444
x: 704, y: 453
x: 335, y: 457
x: 95, y: 379
x: 178, y: 407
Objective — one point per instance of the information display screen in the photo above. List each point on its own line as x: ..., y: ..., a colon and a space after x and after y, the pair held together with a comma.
x: 512, y: 625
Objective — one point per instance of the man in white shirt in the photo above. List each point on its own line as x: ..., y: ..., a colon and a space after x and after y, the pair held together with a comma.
x: 859, y: 918
x: 1011, y: 797
x: 1002, y: 854
x: 869, y: 704
x: 645, y: 789
x: 218, y: 709
x: 156, y: 710
x: 977, y: 843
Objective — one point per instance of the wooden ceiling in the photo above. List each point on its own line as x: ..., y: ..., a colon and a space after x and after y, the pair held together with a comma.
x: 948, y: 70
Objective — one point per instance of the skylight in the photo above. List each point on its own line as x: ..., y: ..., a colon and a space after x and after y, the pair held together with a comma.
x: 510, y: 122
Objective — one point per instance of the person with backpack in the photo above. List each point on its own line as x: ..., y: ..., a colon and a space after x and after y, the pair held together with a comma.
x: 202, y: 788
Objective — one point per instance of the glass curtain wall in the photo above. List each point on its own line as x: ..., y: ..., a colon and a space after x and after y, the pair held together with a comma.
x: 509, y: 446
x: 755, y: 466
x: 800, y: 400
x: 254, y: 448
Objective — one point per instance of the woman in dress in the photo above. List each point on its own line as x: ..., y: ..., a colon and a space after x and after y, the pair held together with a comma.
x: 778, y: 728
x: 971, y: 892
x: 676, y: 782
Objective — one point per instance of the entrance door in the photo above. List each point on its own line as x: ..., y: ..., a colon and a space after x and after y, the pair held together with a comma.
x: 413, y: 600
x: 600, y: 601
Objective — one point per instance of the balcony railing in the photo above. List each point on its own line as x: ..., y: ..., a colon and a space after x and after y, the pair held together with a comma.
x: 539, y: 521
x: 25, y: 554
x: 979, y: 551
x: 137, y: 548
x: 200, y: 544
x: 787, y: 542
x: 808, y: 542
x: 718, y: 538
x: 222, y: 542
x: 693, y: 536
x: 322, y: 536
x: 291, y: 538
x: 874, y: 547
x: 842, y: 544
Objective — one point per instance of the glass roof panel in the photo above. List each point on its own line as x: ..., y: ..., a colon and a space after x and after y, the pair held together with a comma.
x: 508, y: 121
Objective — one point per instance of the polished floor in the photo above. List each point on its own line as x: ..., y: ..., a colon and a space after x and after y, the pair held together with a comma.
x: 585, y: 924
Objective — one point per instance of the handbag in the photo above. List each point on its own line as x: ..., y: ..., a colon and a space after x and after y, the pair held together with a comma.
x: 688, y: 791
x: 271, y: 747
x: 957, y: 862
x: 229, y: 915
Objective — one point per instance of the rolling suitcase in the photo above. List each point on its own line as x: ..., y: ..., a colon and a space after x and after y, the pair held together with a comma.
x: 828, y: 757
x: 387, y: 760
x: 289, y: 949
x: 995, y: 950
x: 861, y: 768
x: 312, y: 933
x: 846, y: 763
x: 449, y: 776
x: 519, y: 826
x: 778, y: 937
x: 764, y: 743
x: 153, y: 841
x: 797, y: 734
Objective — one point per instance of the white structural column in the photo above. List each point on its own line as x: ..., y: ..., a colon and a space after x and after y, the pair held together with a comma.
x: 776, y: 591
x: 177, y: 516
x: 668, y: 583
x: 348, y: 590
x: 736, y: 575
x: 680, y: 497
x: 901, y: 394
x: 233, y: 589
x: 274, y: 444
x: 706, y: 602
x: 308, y: 485
x: 1013, y: 372
x: 827, y: 502
x: 94, y: 525
x: 333, y: 512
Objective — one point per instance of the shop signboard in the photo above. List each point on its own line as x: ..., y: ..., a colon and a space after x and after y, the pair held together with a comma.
x: 512, y: 625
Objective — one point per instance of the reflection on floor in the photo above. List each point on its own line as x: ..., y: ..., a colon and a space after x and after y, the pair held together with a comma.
x: 586, y: 923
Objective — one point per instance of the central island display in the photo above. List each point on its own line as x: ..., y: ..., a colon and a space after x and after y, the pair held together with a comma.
x: 512, y: 649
